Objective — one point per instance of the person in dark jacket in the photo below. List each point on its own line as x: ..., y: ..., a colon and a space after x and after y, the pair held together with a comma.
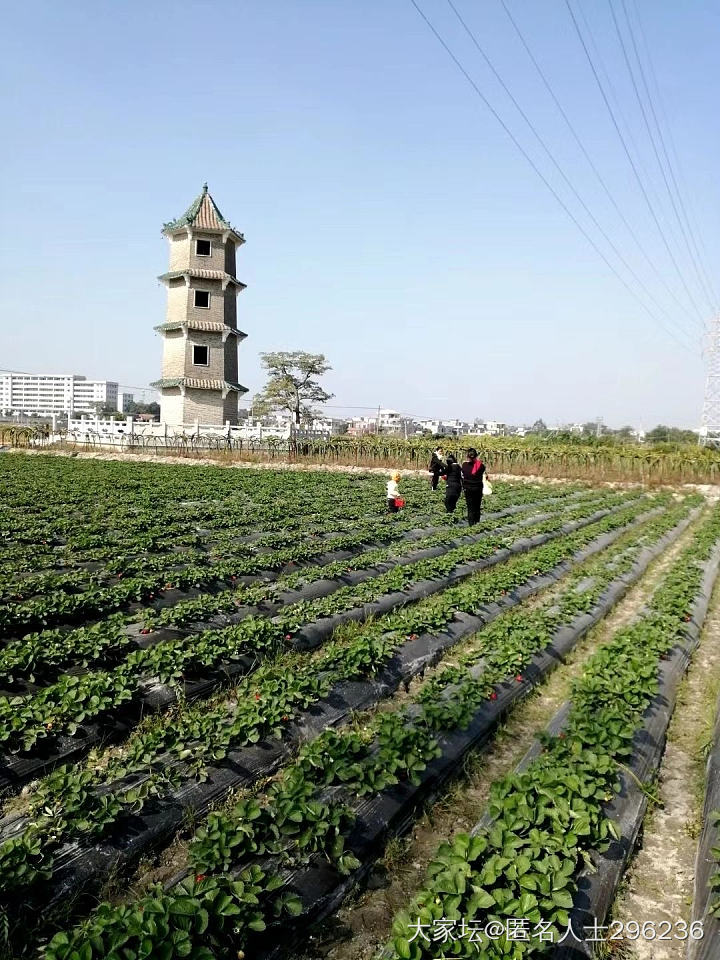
x: 437, y: 467
x: 453, y: 479
x: 473, y: 470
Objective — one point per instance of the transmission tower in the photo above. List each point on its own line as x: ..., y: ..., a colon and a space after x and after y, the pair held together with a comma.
x: 710, y: 424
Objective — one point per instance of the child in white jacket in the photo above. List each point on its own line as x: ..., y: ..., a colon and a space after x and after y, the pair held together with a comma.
x: 393, y: 493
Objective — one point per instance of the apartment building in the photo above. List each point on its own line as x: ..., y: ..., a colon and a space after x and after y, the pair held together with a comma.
x: 45, y: 394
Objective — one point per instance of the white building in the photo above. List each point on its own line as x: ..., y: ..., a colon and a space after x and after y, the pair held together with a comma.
x: 388, y: 422
x: 488, y: 428
x: 48, y: 394
x: 445, y: 428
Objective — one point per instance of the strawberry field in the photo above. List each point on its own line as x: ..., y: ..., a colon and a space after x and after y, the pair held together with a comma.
x: 226, y: 695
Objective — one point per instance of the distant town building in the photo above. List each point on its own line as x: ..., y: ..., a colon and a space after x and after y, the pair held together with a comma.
x: 46, y: 394
x: 388, y: 422
x: 126, y: 401
x: 200, y: 335
x: 444, y: 428
x: 488, y: 428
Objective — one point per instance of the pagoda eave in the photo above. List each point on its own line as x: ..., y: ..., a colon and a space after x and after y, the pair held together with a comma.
x: 225, y: 278
x: 198, y: 383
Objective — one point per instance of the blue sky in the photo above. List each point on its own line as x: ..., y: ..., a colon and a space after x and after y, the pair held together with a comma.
x: 390, y: 222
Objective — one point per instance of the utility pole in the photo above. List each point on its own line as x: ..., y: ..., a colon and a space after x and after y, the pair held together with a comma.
x: 377, y: 422
x: 710, y: 422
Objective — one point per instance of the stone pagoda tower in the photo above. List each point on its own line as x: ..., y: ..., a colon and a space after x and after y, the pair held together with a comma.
x: 200, y: 335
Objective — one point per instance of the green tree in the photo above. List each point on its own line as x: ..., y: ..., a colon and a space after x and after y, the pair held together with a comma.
x: 663, y: 434
x: 538, y: 427
x: 152, y: 408
x: 259, y: 407
x: 293, y: 382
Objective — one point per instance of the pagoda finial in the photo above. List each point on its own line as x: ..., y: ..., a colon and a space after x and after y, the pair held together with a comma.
x: 205, y: 188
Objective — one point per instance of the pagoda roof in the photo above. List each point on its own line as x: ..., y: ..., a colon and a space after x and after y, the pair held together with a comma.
x: 199, y: 274
x: 208, y: 326
x: 198, y: 383
x: 204, y: 214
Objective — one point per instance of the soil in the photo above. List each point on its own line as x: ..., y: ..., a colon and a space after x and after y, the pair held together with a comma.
x: 363, y: 924
x: 659, y: 882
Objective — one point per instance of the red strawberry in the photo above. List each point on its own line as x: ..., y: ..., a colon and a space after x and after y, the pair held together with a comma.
x: 288, y: 636
x: 493, y: 696
x: 519, y: 678
x: 257, y: 696
x: 199, y: 877
x: 145, y: 630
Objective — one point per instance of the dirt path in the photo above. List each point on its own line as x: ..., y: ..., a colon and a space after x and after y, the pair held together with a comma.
x: 659, y: 883
x: 363, y: 924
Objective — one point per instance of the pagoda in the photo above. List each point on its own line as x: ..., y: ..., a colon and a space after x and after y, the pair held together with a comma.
x: 200, y: 334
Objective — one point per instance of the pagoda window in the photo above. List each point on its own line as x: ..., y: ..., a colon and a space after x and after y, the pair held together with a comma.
x: 203, y: 248
x: 202, y: 299
x: 200, y: 355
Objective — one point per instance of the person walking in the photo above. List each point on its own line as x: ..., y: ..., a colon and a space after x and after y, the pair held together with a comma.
x: 393, y: 493
x: 453, y: 479
x: 437, y: 467
x: 473, y: 470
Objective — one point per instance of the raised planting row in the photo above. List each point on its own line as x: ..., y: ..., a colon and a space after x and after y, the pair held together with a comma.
x: 196, y: 756
x: 337, y: 518
x: 59, y: 709
x: 284, y: 849
x: 96, y: 597
x: 552, y: 817
x: 706, y: 893
x: 60, y: 514
x: 40, y: 656
x: 201, y: 754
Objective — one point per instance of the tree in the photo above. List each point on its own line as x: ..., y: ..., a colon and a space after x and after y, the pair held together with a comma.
x: 153, y: 408
x: 538, y: 427
x: 259, y: 407
x: 292, y: 382
x: 663, y: 434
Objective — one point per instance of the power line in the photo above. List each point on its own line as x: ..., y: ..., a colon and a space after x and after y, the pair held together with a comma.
x: 557, y: 166
x: 706, y: 282
x: 653, y: 141
x: 590, y: 160
x: 671, y: 139
x: 632, y: 162
x: 539, y: 173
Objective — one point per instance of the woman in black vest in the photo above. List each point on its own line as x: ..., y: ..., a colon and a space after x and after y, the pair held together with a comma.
x: 473, y: 471
x: 453, y: 479
x: 437, y: 467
